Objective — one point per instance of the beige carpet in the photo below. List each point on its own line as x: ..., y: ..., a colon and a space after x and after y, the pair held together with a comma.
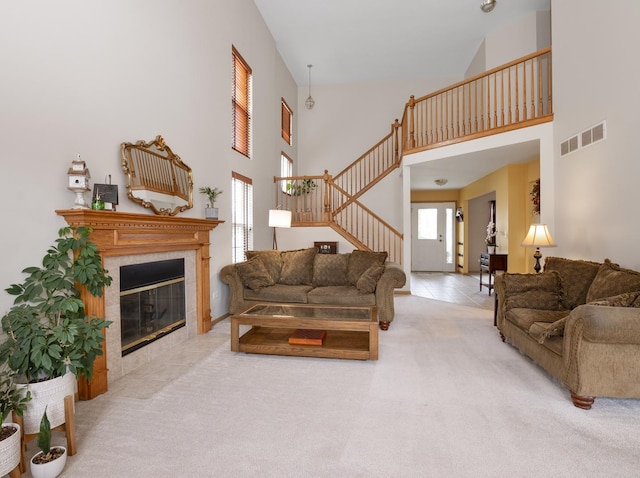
x: 446, y: 399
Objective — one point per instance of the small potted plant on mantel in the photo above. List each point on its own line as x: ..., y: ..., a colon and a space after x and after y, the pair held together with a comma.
x: 11, y: 400
x: 210, y: 212
x: 49, y: 461
x: 49, y: 341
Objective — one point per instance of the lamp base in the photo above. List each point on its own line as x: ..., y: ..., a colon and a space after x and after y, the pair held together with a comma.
x: 537, y: 256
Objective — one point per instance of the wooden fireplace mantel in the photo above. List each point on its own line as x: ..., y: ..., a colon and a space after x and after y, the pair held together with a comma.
x: 123, y: 234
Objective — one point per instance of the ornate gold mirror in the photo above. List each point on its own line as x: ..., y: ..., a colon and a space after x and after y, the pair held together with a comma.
x: 156, y: 177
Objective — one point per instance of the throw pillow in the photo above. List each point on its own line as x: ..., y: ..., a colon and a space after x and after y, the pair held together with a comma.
x: 533, y: 291
x: 369, y: 279
x: 612, y: 280
x: 360, y: 261
x: 271, y: 259
x: 297, y: 267
x: 330, y: 270
x: 556, y: 328
x: 628, y: 299
x: 577, y: 275
x: 254, y: 274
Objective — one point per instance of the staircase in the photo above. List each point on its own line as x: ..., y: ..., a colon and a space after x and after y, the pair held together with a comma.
x: 514, y: 95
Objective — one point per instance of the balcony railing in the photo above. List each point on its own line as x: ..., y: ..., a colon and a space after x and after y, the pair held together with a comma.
x: 515, y: 95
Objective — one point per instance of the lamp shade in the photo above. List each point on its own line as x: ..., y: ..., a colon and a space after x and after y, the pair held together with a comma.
x: 538, y: 236
x: 279, y: 218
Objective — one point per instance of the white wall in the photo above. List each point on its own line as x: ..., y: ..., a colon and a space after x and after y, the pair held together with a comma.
x: 597, y: 193
x: 84, y: 77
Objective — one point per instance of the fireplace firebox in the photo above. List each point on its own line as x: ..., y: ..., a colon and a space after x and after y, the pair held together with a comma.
x: 152, y: 302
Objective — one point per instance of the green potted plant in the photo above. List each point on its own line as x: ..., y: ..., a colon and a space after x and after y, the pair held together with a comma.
x: 49, y: 341
x: 302, y: 187
x: 49, y: 461
x: 11, y: 400
x: 210, y: 212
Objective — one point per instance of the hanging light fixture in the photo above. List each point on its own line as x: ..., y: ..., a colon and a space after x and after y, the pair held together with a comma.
x: 487, y: 5
x: 309, y: 103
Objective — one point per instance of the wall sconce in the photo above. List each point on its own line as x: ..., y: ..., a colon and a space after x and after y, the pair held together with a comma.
x: 278, y: 218
x: 459, y: 215
x: 538, y: 236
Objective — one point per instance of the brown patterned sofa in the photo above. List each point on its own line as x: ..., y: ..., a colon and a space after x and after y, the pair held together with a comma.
x: 359, y: 278
x: 578, y: 320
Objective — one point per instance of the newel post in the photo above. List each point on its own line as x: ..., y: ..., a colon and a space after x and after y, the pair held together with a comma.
x: 327, y: 178
x: 412, y: 137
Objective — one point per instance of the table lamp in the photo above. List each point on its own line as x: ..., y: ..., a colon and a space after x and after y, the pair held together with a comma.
x: 278, y: 218
x: 538, y: 236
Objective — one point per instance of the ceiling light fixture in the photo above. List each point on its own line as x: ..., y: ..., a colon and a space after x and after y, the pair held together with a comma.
x: 309, y: 103
x: 487, y: 5
x: 441, y: 181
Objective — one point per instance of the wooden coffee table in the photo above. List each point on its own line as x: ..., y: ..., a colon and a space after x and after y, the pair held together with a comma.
x: 351, y: 332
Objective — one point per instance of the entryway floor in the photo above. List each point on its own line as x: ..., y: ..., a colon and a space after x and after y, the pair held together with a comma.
x: 463, y: 289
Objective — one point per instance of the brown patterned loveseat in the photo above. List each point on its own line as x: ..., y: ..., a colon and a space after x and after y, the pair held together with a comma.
x: 578, y: 320
x: 359, y: 278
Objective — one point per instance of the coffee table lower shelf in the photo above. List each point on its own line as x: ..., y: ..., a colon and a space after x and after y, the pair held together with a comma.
x: 344, y: 344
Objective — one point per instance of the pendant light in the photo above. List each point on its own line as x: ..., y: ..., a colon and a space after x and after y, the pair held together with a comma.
x: 310, y: 101
x: 487, y: 5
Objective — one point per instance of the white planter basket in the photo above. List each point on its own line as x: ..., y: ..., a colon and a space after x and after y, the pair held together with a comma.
x: 50, y: 395
x: 10, y: 451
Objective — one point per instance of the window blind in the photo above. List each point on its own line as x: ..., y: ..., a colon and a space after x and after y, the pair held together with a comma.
x: 241, y: 104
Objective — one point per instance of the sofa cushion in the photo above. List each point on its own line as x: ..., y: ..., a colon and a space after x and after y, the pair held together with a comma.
x: 535, y: 291
x: 369, y: 279
x: 340, y: 295
x: 254, y: 274
x: 272, y: 260
x: 330, y: 269
x: 297, y: 267
x: 279, y: 293
x: 577, y: 276
x: 541, y: 331
x: 524, y: 318
x: 360, y: 261
x: 612, y: 280
x: 628, y: 299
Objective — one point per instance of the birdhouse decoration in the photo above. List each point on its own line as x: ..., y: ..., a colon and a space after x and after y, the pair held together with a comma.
x: 79, y: 182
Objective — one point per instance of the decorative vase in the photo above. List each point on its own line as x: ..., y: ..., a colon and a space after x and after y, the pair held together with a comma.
x: 50, y: 469
x: 10, y: 450
x: 50, y: 395
x: 491, y: 249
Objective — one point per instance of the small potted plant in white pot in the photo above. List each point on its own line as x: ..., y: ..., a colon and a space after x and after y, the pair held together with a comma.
x: 11, y: 400
x: 210, y: 212
x: 49, y: 461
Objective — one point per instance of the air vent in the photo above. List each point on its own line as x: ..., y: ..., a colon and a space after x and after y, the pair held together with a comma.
x: 585, y: 138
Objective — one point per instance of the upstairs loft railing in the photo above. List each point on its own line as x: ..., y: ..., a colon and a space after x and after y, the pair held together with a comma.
x: 312, y: 201
x: 512, y: 96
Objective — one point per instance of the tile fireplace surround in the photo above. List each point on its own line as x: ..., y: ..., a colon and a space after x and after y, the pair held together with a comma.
x: 129, y: 235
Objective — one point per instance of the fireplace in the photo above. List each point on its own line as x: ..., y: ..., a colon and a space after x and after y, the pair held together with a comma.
x: 129, y: 238
x: 152, y: 302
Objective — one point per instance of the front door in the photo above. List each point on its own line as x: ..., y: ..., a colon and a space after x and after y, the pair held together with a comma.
x: 432, y: 237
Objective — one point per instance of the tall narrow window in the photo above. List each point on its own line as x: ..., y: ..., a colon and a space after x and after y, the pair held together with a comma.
x: 287, y: 122
x: 241, y: 104
x: 286, y: 169
x: 242, y: 216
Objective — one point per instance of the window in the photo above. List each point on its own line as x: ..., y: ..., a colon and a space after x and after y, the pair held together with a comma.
x: 241, y: 105
x: 287, y: 121
x: 242, y: 216
x: 286, y: 170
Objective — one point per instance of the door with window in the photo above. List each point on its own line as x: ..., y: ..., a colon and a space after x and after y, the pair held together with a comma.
x: 432, y: 237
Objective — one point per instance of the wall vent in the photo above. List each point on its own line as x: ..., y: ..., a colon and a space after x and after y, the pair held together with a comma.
x: 585, y: 138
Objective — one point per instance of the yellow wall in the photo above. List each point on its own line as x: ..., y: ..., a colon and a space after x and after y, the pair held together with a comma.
x: 512, y: 185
